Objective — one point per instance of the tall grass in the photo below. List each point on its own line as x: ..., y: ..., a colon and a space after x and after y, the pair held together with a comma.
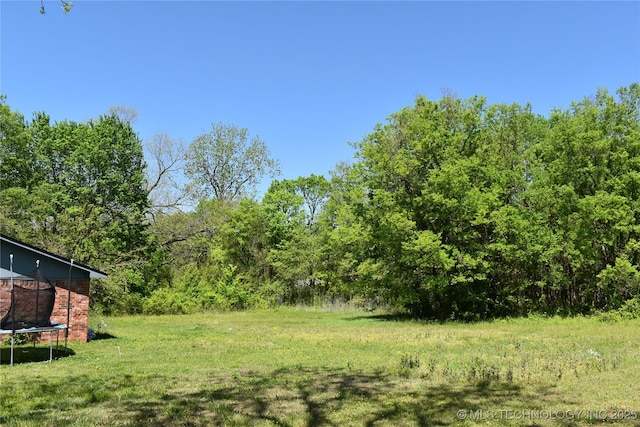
x: 312, y: 367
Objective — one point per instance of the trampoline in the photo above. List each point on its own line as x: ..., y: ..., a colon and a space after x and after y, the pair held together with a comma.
x: 29, y: 307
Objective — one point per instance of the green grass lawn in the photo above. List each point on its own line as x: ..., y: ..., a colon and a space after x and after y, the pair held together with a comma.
x: 315, y: 368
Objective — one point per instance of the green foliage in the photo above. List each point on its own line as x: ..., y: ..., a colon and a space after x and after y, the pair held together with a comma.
x: 453, y: 209
x: 243, y: 241
x: 476, y: 210
x: 218, y: 287
x: 617, y: 284
x: 79, y: 190
x: 15, y: 166
x: 585, y: 188
x: 226, y: 165
x: 126, y: 289
x: 292, y: 209
x: 22, y: 339
x: 630, y: 309
x: 85, y: 196
x: 434, y: 175
x: 284, y: 212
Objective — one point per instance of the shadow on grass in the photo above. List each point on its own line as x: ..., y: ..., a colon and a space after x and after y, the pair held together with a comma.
x: 102, y: 336
x: 289, y: 396
x: 30, y: 354
x: 395, y: 317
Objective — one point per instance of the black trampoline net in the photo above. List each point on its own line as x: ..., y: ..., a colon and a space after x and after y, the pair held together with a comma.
x: 30, y: 303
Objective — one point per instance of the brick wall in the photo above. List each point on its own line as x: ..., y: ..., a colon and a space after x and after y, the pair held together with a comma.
x: 5, y: 297
x: 78, y: 315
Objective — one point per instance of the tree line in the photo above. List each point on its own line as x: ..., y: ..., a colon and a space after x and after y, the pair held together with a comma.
x: 452, y: 209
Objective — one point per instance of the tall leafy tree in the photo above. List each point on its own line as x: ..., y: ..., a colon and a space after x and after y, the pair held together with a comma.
x: 435, y: 176
x: 75, y: 188
x: 283, y: 207
x: 226, y: 164
x: 345, y: 240
x: 79, y: 189
x: 292, y: 208
x: 16, y: 149
x: 315, y: 190
x: 586, y: 184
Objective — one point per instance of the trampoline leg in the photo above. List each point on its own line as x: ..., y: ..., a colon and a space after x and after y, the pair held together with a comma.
x: 50, y: 346
x: 11, y: 356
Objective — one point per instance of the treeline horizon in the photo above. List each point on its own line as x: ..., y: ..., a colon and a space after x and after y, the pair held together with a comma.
x: 451, y: 209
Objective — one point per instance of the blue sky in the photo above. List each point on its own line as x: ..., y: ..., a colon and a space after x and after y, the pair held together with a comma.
x: 306, y: 77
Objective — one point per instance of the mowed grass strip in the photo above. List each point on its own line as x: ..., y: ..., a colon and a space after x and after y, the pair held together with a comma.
x: 312, y: 367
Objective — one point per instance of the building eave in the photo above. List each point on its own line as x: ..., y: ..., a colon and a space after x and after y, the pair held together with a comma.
x: 93, y: 273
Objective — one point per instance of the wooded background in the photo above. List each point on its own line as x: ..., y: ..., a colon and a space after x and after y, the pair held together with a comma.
x: 452, y: 209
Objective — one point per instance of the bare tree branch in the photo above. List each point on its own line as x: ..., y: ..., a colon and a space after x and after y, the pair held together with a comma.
x: 165, y: 173
x: 66, y: 6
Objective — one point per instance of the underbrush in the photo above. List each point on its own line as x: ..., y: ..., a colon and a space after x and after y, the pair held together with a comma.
x: 629, y: 310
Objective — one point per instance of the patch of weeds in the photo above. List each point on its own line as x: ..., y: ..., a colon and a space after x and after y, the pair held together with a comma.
x: 408, y: 363
x: 430, y: 369
x: 450, y: 374
x: 509, y: 375
x: 101, y: 327
x: 484, y: 373
x: 23, y: 339
x: 100, y: 331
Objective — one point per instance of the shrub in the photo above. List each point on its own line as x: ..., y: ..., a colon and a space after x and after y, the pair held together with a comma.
x: 202, y: 288
x: 630, y: 309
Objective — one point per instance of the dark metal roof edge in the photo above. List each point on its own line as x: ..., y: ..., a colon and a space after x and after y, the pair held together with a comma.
x: 93, y: 273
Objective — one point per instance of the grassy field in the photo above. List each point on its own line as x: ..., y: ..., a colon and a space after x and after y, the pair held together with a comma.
x: 314, y: 368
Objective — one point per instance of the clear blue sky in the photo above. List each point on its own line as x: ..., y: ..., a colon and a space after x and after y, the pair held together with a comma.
x: 307, y: 77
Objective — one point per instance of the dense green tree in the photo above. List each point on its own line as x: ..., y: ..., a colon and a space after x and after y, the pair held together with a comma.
x: 93, y: 174
x: 243, y: 240
x: 16, y: 149
x: 90, y: 177
x: 285, y: 214
x: 435, y: 176
x: 586, y: 185
x: 344, y: 239
x: 315, y: 190
x: 292, y: 208
x: 78, y: 189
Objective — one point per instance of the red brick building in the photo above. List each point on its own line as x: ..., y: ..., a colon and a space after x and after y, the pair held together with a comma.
x: 18, y: 264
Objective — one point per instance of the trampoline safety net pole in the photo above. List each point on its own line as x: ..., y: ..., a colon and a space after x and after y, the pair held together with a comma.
x: 66, y: 332
x: 13, y: 311
x: 37, y: 292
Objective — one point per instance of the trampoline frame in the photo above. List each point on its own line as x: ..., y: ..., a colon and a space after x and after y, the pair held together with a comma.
x: 35, y: 330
